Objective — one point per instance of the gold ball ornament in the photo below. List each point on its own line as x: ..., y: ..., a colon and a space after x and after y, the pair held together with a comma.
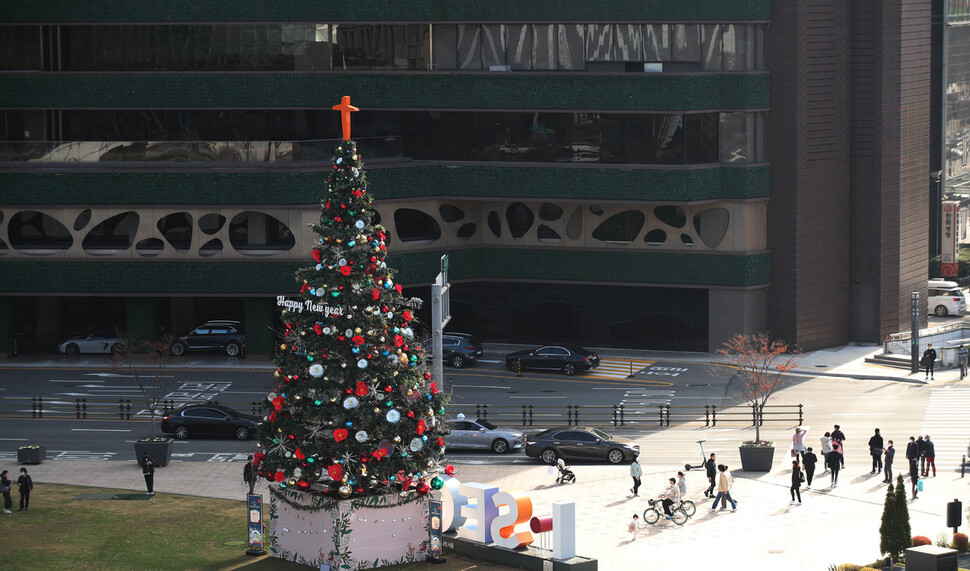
x: 276, y: 374
x: 402, y: 495
x: 282, y: 346
x: 343, y: 480
x: 397, y: 440
x: 357, y: 330
x: 344, y: 491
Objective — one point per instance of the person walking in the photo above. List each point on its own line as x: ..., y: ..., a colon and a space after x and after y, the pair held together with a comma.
x: 838, y: 439
x: 921, y: 447
x: 711, y: 467
x: 929, y: 361
x: 5, y: 490
x: 682, y: 483
x: 798, y: 443
x: 890, y: 454
x: 826, y: 448
x: 962, y: 354
x: 929, y: 451
x: 148, y: 470
x: 724, y: 484
x: 809, y: 460
x: 875, y: 450
x: 634, y: 527
x: 635, y: 473
x: 250, y: 472
x: 796, y: 481
x: 835, y: 464
x: 25, y: 485
x: 914, y: 476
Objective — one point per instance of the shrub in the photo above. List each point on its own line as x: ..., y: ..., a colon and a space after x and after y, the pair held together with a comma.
x: 942, y: 541
x: 921, y: 540
x: 960, y: 542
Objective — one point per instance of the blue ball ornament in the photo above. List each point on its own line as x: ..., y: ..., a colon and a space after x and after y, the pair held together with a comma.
x: 351, y: 244
x: 349, y: 423
x: 355, y: 350
x: 313, y: 291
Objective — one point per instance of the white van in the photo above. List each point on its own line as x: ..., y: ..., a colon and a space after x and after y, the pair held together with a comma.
x: 945, y: 298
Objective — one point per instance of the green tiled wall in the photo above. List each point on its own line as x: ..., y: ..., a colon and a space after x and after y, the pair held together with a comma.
x: 85, y: 188
x: 382, y: 10
x: 439, y: 90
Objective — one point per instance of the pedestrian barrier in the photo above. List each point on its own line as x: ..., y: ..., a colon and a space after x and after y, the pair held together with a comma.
x: 632, y: 417
x: 93, y: 409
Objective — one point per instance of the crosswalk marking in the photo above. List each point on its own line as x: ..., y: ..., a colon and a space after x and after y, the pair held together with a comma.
x: 948, y: 424
x: 618, y: 368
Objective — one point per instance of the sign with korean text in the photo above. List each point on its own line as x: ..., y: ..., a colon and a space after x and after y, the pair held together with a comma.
x: 949, y: 267
x: 254, y: 509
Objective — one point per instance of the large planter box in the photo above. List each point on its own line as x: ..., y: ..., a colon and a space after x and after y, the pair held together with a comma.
x: 161, y: 452
x: 31, y: 455
x: 360, y: 533
x: 756, y: 458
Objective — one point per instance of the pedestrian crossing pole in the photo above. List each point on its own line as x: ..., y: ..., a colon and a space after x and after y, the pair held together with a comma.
x: 440, y: 316
x: 914, y: 332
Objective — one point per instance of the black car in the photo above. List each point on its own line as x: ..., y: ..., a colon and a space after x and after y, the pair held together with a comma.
x: 458, y: 349
x: 575, y: 443
x: 565, y: 358
x: 209, y: 420
x: 222, y: 336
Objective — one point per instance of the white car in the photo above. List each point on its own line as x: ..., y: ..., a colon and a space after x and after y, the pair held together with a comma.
x: 95, y: 342
x: 945, y: 298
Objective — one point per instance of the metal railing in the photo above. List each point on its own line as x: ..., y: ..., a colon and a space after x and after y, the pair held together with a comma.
x: 91, y: 409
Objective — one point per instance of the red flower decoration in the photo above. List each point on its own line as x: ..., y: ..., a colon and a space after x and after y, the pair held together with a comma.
x: 434, y: 388
x: 317, y: 255
x: 357, y: 339
x: 339, y: 434
x: 410, y: 414
x: 336, y: 472
x: 272, y: 416
x: 278, y: 403
x: 450, y: 470
x: 304, y: 287
x: 441, y: 441
x: 406, y: 315
x: 279, y: 476
x: 300, y: 455
x: 362, y: 389
x: 345, y: 270
x: 420, y: 429
x: 318, y: 328
x: 398, y: 286
x: 258, y: 457
x: 375, y: 294
x: 380, y: 453
x: 398, y: 340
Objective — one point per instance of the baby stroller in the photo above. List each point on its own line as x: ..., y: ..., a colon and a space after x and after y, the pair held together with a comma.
x: 566, y: 475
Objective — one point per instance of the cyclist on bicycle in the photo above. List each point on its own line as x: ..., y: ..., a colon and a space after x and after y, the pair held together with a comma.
x: 670, y: 496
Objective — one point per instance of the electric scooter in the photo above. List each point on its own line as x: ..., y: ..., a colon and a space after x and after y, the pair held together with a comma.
x: 688, y: 467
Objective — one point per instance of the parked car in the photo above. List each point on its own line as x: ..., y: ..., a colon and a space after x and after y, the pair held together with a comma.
x: 209, y: 420
x: 458, y: 349
x: 575, y: 443
x: 482, y: 434
x: 945, y: 297
x: 565, y: 358
x: 212, y: 336
x: 94, y: 342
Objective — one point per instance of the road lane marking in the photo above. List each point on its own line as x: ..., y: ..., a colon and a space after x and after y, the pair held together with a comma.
x: 545, y: 397
x: 99, y: 430
x: 74, y: 381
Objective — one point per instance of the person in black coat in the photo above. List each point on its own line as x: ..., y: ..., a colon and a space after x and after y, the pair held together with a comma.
x: 25, y: 484
x: 890, y: 454
x: 808, y: 460
x: 5, y: 484
x: 921, y: 446
x: 148, y: 470
x: 875, y: 450
x: 711, y: 467
x: 835, y: 463
x: 839, y: 437
x: 796, y: 481
x: 929, y: 452
x: 249, y: 474
x: 928, y: 361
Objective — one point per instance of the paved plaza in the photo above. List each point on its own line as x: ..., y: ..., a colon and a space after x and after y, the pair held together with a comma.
x: 832, y: 525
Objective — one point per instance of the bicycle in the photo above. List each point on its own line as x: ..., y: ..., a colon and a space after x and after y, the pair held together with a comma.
x: 679, y: 513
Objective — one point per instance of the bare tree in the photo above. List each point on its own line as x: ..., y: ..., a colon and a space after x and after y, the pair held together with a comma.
x: 761, y: 364
x: 147, y: 362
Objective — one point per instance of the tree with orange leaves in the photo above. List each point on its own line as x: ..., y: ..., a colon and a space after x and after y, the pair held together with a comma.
x: 761, y: 364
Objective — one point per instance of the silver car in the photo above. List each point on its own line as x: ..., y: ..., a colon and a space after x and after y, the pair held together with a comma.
x: 95, y: 342
x: 482, y: 434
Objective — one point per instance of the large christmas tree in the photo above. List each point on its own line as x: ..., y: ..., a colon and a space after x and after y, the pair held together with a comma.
x: 354, y: 407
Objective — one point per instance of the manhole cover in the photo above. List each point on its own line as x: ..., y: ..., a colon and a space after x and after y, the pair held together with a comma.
x: 776, y: 551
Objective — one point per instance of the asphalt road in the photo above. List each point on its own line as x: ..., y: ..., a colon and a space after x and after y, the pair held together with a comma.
x: 107, y: 432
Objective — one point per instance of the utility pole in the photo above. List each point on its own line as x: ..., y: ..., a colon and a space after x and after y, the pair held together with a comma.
x: 914, y: 333
x: 440, y: 316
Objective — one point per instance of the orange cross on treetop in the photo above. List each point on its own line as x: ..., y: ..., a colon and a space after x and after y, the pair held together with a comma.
x: 345, y: 109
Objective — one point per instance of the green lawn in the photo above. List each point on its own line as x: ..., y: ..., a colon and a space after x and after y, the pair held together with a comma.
x: 166, y: 532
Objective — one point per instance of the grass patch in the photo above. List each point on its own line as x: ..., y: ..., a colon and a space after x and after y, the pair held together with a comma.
x: 167, y: 532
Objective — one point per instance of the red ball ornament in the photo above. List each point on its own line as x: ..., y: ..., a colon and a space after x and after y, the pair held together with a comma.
x: 427, y: 376
x: 410, y: 414
x: 318, y: 328
x: 258, y: 457
x: 375, y: 294
x: 434, y: 388
x: 423, y: 489
x: 317, y: 255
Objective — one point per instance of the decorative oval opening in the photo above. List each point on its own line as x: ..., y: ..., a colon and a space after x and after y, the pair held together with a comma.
x: 621, y: 228
x: 176, y: 228
x: 415, y: 227
x: 494, y: 224
x: 450, y: 213
x: 671, y: 215
x: 687, y: 240
x: 82, y: 219
x: 574, y: 228
x: 150, y: 247
x: 211, y: 223
x: 112, y: 236
x: 596, y: 209
x: 519, y: 217
x: 211, y: 248
x: 711, y: 225
x: 547, y: 234
x: 36, y: 233
x: 549, y: 212
x: 258, y: 234
x: 655, y: 237
x: 467, y: 231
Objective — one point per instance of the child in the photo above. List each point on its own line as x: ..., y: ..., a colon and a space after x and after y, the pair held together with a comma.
x: 634, y: 527
x: 682, y: 484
